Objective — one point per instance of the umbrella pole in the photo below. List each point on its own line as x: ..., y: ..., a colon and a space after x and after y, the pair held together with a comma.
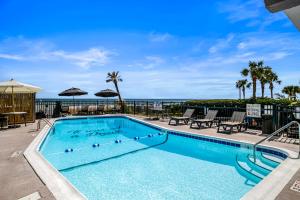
x: 13, y: 104
x: 12, y: 96
x: 73, y: 102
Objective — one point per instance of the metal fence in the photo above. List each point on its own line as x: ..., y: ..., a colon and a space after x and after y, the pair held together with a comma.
x: 272, y: 116
x: 142, y: 107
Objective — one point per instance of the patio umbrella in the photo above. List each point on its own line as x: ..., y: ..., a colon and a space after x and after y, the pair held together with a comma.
x: 107, y: 93
x: 12, y: 87
x: 73, y: 92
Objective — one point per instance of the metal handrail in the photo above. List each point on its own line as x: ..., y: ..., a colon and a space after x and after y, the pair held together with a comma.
x: 275, y: 133
x: 45, y: 120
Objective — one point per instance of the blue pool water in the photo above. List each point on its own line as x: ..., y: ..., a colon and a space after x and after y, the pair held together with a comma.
x: 158, y: 167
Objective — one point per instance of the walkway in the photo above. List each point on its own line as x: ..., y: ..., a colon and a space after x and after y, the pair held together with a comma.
x: 17, y: 178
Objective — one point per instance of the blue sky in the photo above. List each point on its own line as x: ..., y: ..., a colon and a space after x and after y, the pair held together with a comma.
x: 163, y: 49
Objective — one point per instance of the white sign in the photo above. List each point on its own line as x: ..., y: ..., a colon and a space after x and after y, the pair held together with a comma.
x: 157, y: 106
x: 254, y: 110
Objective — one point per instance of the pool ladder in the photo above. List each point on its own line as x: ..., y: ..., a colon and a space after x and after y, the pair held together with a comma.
x: 50, y: 124
x: 275, y: 133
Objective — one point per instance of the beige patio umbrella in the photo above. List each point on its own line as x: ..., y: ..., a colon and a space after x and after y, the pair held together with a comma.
x: 12, y: 87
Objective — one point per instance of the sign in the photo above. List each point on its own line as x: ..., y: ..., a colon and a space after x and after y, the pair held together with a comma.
x: 296, y: 186
x: 157, y: 106
x: 254, y: 110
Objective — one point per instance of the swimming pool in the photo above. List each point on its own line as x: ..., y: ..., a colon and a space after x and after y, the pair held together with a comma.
x: 122, y: 158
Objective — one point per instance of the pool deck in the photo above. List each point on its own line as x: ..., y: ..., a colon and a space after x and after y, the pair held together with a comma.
x: 18, y: 179
x: 249, y: 136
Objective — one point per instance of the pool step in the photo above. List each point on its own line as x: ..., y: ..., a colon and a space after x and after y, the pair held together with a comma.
x: 258, y: 166
x: 260, y: 163
x: 275, y: 160
x: 242, y: 168
x: 244, y: 163
x: 256, y: 171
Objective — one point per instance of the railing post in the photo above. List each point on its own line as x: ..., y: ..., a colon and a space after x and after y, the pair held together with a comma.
x: 299, y: 138
x: 162, y: 109
x: 133, y: 107
x: 254, y: 153
x: 274, y: 116
x: 147, y: 106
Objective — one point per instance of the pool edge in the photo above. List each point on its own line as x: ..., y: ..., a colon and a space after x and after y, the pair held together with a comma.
x: 59, y: 186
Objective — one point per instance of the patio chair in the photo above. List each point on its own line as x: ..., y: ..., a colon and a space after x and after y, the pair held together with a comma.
x: 117, y: 109
x: 185, y: 118
x: 84, y: 110
x: 236, y: 120
x: 74, y: 110
x: 64, y: 111
x: 92, y: 109
x: 208, y: 120
x: 100, y: 109
x: 3, y: 121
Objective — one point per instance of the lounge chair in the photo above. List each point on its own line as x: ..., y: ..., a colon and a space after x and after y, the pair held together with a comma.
x: 236, y: 120
x: 208, y: 120
x: 185, y: 118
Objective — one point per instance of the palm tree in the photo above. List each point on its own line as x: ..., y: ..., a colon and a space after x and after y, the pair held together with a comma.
x: 253, y: 71
x: 291, y: 91
x: 242, y: 85
x: 272, y: 78
x: 262, y: 77
x: 115, y: 78
x: 239, y: 87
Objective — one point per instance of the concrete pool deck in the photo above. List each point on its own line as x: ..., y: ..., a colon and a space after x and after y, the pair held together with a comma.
x: 19, y: 180
x: 249, y: 136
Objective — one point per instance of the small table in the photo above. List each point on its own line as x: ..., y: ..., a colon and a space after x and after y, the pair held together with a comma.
x: 22, y: 114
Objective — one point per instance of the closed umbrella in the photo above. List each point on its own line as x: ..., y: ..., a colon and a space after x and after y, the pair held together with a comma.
x: 107, y: 93
x: 12, y: 87
x: 73, y: 92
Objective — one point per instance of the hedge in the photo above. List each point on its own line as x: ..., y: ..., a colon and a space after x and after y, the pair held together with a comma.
x: 263, y: 101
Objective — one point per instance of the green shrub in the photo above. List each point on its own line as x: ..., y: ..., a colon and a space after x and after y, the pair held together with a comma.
x: 232, y: 102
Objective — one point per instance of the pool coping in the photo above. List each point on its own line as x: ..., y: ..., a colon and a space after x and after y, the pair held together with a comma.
x: 61, y: 188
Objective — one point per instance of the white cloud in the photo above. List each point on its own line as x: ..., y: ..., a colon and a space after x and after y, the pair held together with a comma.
x: 85, y: 59
x: 155, y: 59
x: 11, y: 56
x: 278, y: 55
x: 239, y: 10
x: 267, y: 42
x: 221, y: 44
x: 149, y: 62
x: 252, y: 11
x: 27, y: 50
x: 159, y: 37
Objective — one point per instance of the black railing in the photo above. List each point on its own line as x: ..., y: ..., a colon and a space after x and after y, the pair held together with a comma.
x: 278, y: 115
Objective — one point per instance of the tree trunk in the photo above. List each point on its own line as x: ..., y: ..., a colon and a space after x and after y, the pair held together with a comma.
x: 271, y: 89
x: 119, y: 96
x: 117, y: 88
x: 254, y: 89
x: 262, y: 90
x: 244, y: 93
